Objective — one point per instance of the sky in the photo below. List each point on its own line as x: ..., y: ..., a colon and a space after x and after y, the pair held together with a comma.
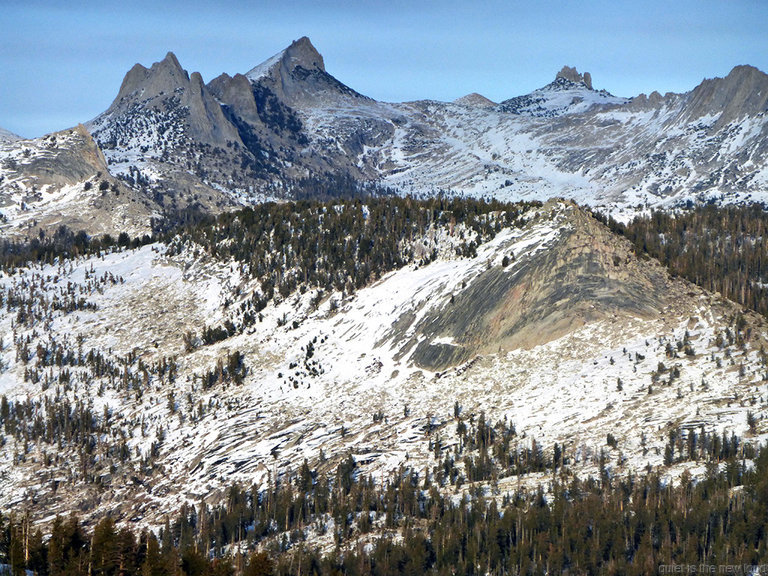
x: 62, y: 63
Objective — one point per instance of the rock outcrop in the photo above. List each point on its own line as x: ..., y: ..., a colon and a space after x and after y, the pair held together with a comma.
x: 744, y: 92
x: 63, y: 178
x: 297, y: 77
x: 168, y: 90
x: 572, y: 75
x: 587, y: 274
x: 475, y: 100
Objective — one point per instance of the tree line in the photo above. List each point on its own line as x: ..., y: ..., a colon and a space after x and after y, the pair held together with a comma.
x: 629, y: 525
x: 721, y: 248
x: 336, y: 245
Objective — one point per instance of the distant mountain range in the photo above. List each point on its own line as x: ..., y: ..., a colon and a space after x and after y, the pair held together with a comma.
x: 287, y: 128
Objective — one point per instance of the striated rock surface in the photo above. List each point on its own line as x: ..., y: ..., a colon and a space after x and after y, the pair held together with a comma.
x: 744, y: 92
x: 585, y: 275
x: 63, y: 178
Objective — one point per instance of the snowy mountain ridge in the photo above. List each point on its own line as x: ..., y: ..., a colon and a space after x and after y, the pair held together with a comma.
x: 287, y: 127
x: 7, y: 136
x: 565, y: 139
x: 569, y: 93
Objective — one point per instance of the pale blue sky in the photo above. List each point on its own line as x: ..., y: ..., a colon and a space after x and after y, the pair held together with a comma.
x: 62, y: 63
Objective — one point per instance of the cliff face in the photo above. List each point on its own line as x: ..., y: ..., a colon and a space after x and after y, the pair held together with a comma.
x: 63, y: 178
x: 167, y: 85
x: 743, y: 93
x: 584, y: 274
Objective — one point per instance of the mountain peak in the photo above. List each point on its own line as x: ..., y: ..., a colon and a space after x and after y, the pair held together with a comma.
x: 475, y: 100
x: 170, y: 61
x: 742, y: 93
x: 301, y: 53
x: 572, y: 75
x: 297, y: 76
x: 569, y: 93
x: 162, y: 76
x: 158, y: 101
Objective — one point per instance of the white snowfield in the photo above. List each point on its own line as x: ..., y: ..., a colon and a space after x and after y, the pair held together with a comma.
x: 294, y: 405
x: 600, y: 151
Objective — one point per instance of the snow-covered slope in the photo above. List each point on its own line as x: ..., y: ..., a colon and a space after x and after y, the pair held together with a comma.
x: 343, y: 374
x: 569, y: 93
x: 6, y: 136
x: 62, y: 178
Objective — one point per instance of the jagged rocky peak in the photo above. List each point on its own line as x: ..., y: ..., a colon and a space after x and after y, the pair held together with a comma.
x: 572, y: 75
x: 297, y: 76
x: 744, y: 92
x: 301, y: 53
x: 166, y: 94
x: 236, y: 93
x: 652, y: 100
x: 569, y: 93
x: 163, y: 76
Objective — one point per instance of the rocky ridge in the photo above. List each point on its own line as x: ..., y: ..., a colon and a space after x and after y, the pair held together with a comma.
x: 8, y: 136
x: 566, y: 138
x: 287, y: 128
x: 63, y: 178
x: 476, y: 100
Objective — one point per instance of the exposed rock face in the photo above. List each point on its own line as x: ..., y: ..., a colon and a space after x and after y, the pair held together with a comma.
x: 62, y: 178
x: 75, y: 157
x: 298, y: 78
x: 643, y: 102
x: 574, y: 390
x: 167, y: 135
x: 167, y: 89
x: 744, y: 92
x: 572, y: 75
x: 586, y: 275
x: 237, y: 92
x: 187, y: 143
x: 163, y: 77
x: 302, y: 53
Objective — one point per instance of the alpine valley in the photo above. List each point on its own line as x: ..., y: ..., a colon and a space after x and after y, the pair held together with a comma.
x: 270, y: 325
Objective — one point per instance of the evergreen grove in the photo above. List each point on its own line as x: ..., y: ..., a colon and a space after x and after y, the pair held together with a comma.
x: 406, y: 525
